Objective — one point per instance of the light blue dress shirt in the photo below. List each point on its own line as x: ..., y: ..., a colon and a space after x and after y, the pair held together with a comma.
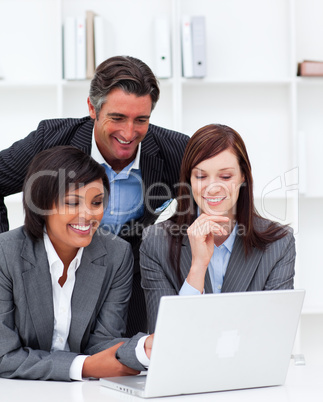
x: 217, y: 266
x: 126, y: 200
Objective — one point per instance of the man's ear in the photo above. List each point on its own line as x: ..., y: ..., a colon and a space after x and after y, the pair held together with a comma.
x: 92, y: 112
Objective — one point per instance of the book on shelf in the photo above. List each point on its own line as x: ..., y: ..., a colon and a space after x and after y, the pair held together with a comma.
x: 69, y: 48
x: 162, y: 47
x: 84, y: 45
x: 310, y: 68
x: 90, y: 58
x: 199, y: 46
x: 74, y: 49
x: 101, y: 36
x: 193, y: 46
x: 187, y: 56
x: 80, y: 48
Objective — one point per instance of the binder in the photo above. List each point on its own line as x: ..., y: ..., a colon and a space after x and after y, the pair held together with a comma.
x: 162, y: 48
x: 69, y: 54
x: 80, y: 48
x: 187, y: 55
x: 199, y: 46
x: 100, y: 40
x: 90, y: 62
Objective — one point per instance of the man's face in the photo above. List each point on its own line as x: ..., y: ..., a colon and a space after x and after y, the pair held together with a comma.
x: 121, y: 125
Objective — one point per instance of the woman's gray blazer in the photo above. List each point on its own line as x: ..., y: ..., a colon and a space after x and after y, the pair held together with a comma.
x: 271, y: 269
x: 99, y: 306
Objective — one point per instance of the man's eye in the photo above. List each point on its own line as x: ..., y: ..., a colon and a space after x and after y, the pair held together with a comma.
x: 142, y: 121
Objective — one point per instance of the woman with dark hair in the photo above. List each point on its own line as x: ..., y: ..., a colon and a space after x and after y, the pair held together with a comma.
x: 64, y: 288
x: 216, y: 241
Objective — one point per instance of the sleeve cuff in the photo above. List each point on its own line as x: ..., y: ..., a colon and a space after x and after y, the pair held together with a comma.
x: 188, y: 290
x: 140, y: 352
x: 77, y: 368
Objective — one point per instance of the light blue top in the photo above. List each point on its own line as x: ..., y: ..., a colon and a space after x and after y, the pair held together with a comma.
x: 126, y: 193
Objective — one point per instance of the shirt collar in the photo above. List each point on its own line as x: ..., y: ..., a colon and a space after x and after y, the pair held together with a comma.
x: 228, y: 243
x: 52, y: 255
x: 96, y: 155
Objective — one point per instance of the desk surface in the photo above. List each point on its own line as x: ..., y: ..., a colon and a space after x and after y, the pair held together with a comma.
x: 302, y: 383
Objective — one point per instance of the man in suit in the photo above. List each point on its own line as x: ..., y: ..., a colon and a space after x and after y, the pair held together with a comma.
x: 142, y: 161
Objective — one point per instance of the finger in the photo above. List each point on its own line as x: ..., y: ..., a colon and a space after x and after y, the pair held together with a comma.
x: 203, y: 228
x: 218, y: 230
x: 216, y: 218
x: 206, y: 220
x: 128, y: 371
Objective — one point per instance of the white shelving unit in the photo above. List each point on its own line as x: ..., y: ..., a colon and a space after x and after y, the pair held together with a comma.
x: 253, y: 47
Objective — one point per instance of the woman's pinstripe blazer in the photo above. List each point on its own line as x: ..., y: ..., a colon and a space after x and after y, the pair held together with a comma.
x: 270, y: 269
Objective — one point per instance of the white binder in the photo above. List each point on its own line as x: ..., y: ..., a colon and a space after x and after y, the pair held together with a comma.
x: 80, y: 48
x: 187, y: 56
x: 193, y: 46
x: 199, y: 46
x: 162, y: 48
x: 69, y: 38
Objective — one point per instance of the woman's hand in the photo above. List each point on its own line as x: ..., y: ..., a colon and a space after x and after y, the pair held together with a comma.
x: 201, y: 236
x: 149, y: 345
x: 105, y: 364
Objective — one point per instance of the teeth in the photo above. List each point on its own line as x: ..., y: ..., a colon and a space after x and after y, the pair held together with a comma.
x: 123, y: 142
x: 215, y: 199
x: 83, y: 228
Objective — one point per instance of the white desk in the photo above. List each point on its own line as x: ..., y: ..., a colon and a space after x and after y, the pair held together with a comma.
x: 303, y: 383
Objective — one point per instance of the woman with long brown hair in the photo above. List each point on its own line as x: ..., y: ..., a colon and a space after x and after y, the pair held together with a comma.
x: 216, y: 241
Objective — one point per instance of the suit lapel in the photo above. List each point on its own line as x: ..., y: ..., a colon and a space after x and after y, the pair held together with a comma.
x: 82, y: 138
x: 87, y: 289
x: 151, y: 170
x: 38, y: 289
x: 241, y: 269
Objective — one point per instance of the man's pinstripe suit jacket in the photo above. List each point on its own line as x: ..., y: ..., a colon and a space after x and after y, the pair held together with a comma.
x: 160, y: 159
x: 161, y: 155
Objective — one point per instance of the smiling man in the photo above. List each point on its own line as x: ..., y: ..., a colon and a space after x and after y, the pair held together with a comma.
x: 120, y: 126
x: 142, y: 161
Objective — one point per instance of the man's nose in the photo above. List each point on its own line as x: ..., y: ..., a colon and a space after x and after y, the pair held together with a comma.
x: 128, y: 131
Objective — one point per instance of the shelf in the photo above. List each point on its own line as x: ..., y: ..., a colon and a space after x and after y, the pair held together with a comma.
x: 238, y: 82
x: 5, y: 84
x: 309, y: 80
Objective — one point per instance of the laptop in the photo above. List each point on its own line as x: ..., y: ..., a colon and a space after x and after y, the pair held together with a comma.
x: 218, y: 342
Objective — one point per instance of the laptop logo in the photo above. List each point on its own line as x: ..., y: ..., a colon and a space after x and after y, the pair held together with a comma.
x: 228, y: 344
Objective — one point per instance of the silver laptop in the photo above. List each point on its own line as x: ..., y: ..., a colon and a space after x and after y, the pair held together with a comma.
x: 218, y: 342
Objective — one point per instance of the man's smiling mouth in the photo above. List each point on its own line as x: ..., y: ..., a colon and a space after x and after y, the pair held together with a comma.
x: 123, y: 142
